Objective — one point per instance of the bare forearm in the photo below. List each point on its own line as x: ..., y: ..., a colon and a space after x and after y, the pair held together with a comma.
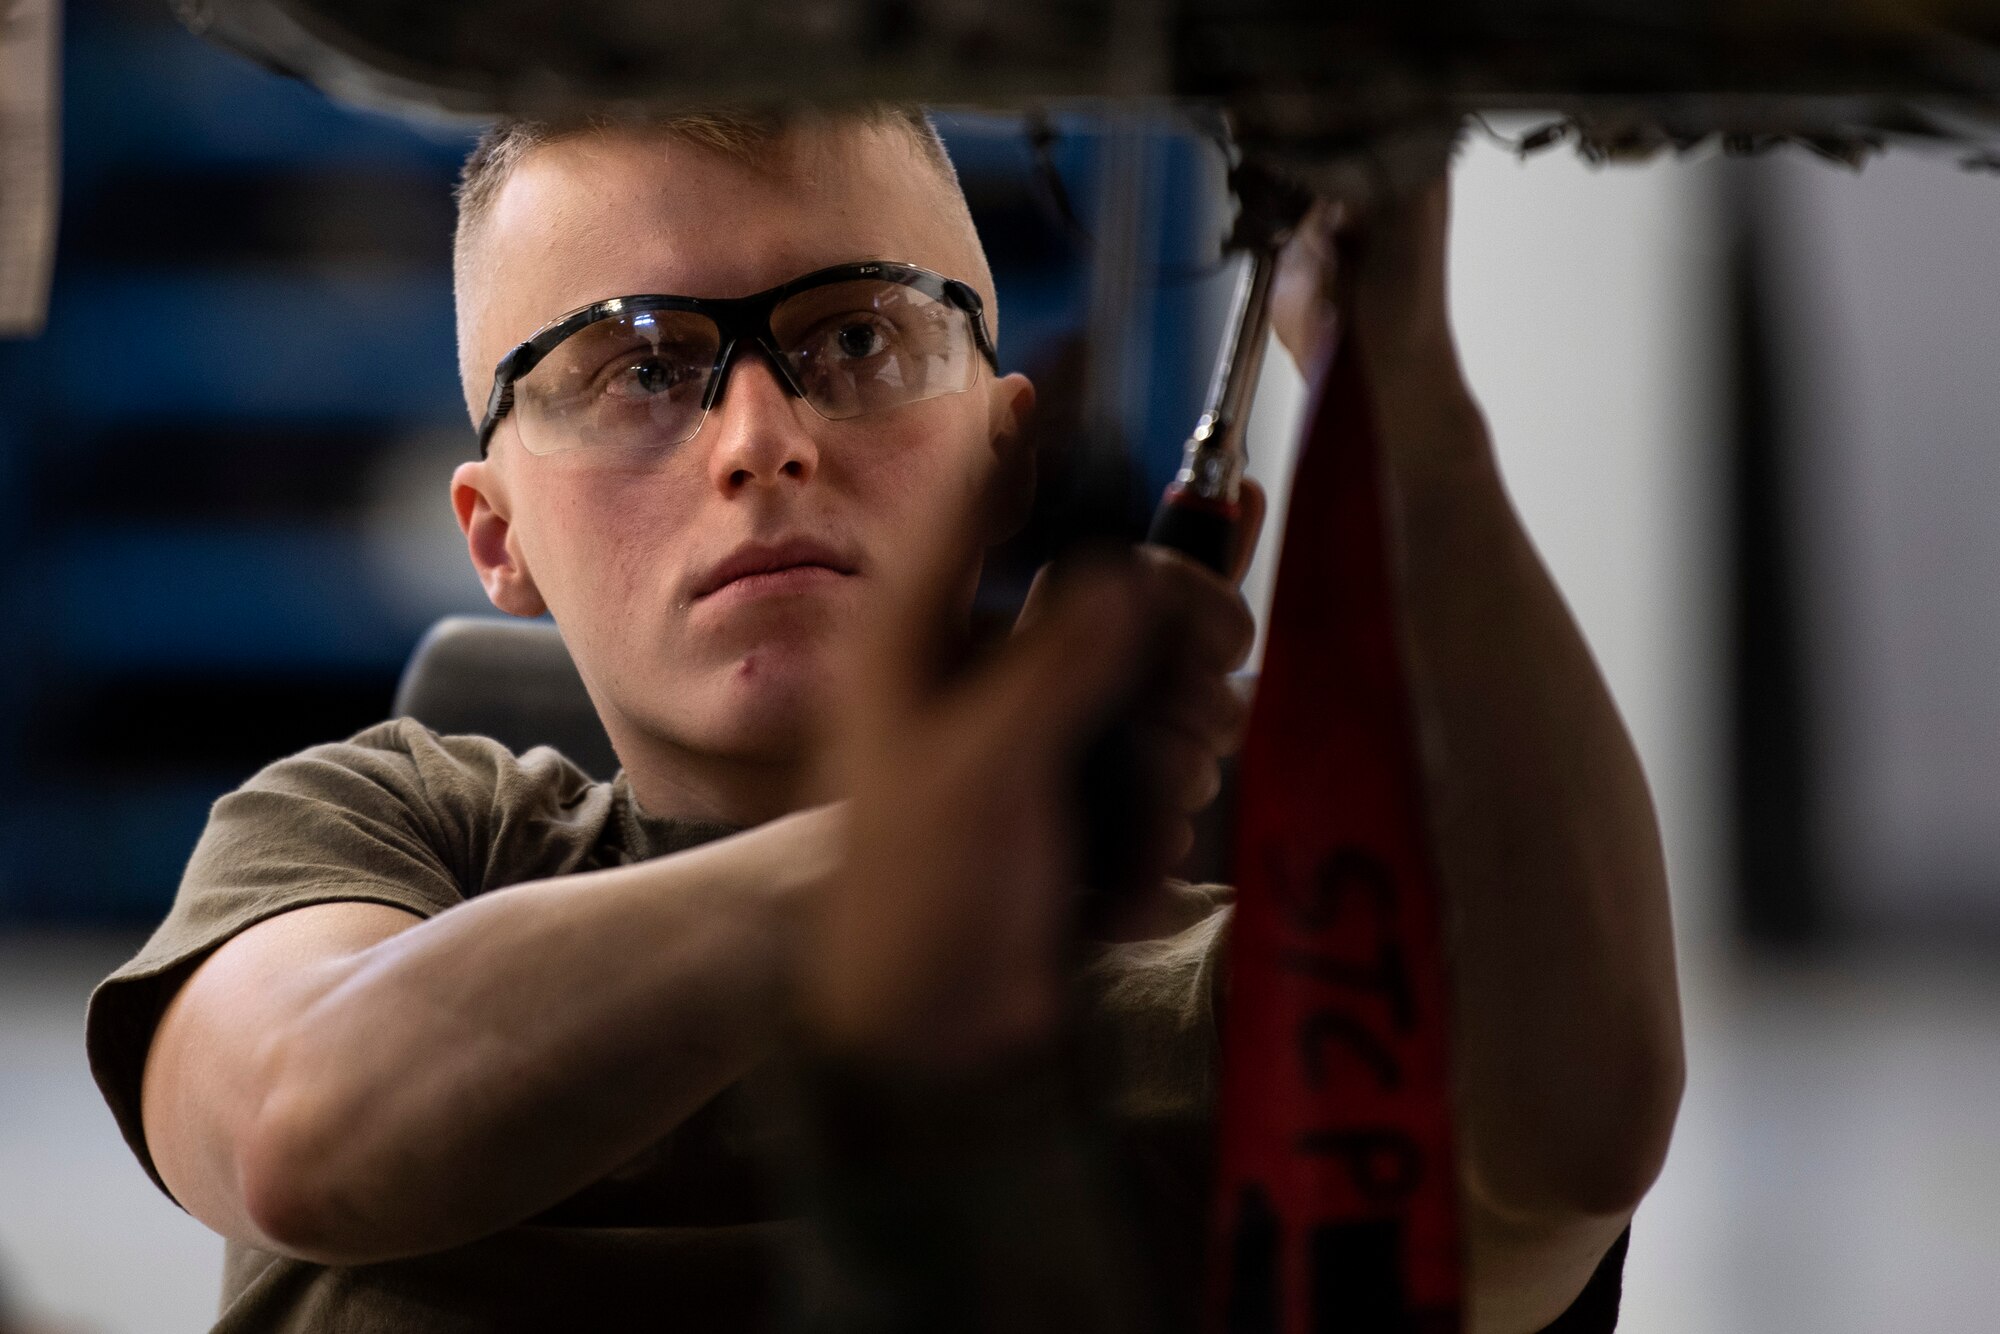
x: 1568, y: 1029
x: 474, y: 1069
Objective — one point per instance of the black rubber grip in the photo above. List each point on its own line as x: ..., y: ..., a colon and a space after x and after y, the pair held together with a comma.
x: 1196, y: 530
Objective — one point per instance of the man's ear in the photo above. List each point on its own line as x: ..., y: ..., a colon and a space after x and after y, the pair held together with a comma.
x: 1010, y: 406
x: 479, y: 498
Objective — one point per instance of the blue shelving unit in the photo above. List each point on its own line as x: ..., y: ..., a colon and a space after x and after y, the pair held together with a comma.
x: 252, y: 302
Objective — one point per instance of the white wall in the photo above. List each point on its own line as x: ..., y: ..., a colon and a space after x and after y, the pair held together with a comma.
x: 1889, y: 282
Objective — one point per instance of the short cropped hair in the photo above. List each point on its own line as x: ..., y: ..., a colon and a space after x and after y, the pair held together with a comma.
x: 740, y: 134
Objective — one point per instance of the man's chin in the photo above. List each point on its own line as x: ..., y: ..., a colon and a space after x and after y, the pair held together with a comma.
x: 769, y: 705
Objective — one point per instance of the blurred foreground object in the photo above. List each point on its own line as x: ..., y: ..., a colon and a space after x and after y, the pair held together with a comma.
x: 28, y: 30
x: 1322, y: 84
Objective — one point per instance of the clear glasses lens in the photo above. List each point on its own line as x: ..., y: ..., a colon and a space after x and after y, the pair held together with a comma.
x: 628, y: 380
x: 637, y: 379
x: 868, y: 345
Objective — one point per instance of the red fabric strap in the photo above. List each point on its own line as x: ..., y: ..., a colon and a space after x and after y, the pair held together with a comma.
x: 1336, y: 1200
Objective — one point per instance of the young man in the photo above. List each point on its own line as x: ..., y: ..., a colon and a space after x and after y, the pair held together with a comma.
x: 439, y: 1037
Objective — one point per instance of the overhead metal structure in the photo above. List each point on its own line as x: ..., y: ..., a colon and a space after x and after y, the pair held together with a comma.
x: 1320, y: 85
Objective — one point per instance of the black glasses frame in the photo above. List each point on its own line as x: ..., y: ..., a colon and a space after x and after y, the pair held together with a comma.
x: 739, y: 319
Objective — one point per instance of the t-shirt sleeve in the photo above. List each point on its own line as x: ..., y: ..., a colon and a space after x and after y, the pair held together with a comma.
x: 1150, y: 1012
x: 1595, y: 1310
x: 396, y: 815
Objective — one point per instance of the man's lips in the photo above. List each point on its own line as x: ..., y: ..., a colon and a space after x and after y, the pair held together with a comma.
x: 774, y: 565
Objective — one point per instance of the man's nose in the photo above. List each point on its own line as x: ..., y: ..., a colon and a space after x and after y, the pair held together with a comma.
x: 759, y: 438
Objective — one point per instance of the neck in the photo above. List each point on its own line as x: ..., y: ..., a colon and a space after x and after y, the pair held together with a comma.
x: 675, y: 783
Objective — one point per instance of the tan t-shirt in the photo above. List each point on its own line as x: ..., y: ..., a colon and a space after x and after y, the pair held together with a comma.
x: 698, y: 1234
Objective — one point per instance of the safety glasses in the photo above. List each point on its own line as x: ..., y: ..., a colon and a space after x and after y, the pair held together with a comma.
x: 643, y: 371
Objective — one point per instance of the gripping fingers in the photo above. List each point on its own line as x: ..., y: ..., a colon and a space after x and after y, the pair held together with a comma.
x: 1210, y: 622
x: 1201, y: 703
x: 1069, y: 666
x: 1185, y: 774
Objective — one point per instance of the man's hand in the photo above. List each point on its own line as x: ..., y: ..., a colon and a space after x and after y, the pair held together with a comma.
x: 1382, y: 268
x: 947, y: 932
x: 1187, y: 713
x: 943, y: 934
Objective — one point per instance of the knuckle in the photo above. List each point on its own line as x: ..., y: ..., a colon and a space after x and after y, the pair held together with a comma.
x: 1200, y: 783
x: 1241, y: 627
x: 1211, y: 781
x: 1178, y: 764
x: 1212, y: 698
x: 1243, y: 621
x: 1203, y: 709
x: 1232, y: 715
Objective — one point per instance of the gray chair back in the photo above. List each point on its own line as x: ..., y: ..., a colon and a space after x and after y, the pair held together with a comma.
x: 509, y: 679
